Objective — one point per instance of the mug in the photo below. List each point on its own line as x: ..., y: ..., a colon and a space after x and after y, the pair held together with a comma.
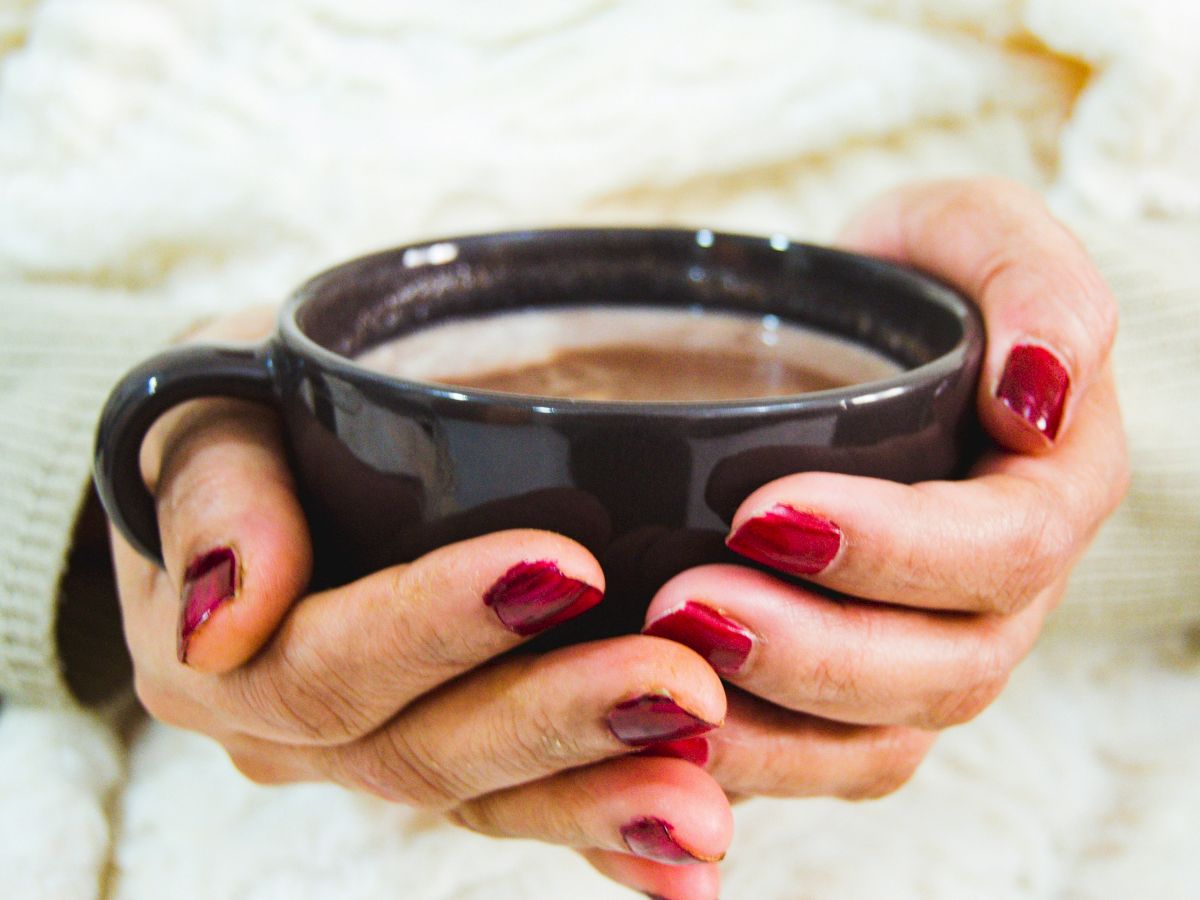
x: 388, y: 469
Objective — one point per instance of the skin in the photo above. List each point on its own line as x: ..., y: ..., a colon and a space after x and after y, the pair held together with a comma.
x: 366, y: 685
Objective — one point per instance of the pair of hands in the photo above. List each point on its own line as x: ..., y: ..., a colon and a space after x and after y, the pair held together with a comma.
x: 630, y: 749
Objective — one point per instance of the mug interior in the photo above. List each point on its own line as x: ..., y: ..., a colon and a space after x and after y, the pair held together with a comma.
x: 908, y: 317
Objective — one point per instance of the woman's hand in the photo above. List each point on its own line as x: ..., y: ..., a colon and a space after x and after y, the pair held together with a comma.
x: 395, y: 684
x: 946, y: 584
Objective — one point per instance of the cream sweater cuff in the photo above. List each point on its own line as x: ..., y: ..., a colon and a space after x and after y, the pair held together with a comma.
x: 60, y: 352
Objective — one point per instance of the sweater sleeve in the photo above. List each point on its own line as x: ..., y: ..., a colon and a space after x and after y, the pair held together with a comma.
x: 1142, y: 573
x: 61, y: 350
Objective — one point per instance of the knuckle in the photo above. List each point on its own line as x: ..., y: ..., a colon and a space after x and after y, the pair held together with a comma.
x: 898, y: 753
x: 961, y: 705
x: 1042, y: 545
x: 293, y: 691
x: 986, y: 664
x: 184, y: 490
x: 534, y: 741
x: 437, y: 649
x: 987, y: 201
x: 401, y: 770
x: 833, y: 682
x: 836, y: 680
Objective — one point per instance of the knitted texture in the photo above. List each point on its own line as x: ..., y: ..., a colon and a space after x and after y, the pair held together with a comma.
x: 62, y: 351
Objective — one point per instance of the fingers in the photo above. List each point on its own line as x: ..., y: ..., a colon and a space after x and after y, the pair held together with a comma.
x: 852, y: 662
x: 346, y: 660
x: 764, y: 750
x: 528, y: 718
x: 662, y: 810
x: 657, y: 825
x: 987, y: 544
x: 1050, y: 318
x: 235, y: 542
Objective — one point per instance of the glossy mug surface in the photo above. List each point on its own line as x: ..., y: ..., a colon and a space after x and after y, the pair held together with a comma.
x: 391, y: 467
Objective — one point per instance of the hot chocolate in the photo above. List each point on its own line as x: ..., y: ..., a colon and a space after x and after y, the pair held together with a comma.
x: 631, y: 354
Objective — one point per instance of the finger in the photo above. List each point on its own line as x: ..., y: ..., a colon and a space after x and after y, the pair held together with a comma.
x: 764, y: 750
x: 235, y: 541
x: 530, y: 717
x: 661, y: 810
x: 521, y: 720
x: 1050, y: 318
x: 657, y: 880
x: 853, y: 662
x: 986, y: 544
x: 346, y: 660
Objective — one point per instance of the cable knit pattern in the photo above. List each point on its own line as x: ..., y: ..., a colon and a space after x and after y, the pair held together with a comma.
x: 166, y: 159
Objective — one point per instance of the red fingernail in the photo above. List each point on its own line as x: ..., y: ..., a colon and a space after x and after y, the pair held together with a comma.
x: 209, y: 581
x: 533, y: 596
x: 693, y: 750
x: 787, y: 539
x: 652, y: 718
x: 720, y: 640
x: 652, y: 838
x: 1034, y: 386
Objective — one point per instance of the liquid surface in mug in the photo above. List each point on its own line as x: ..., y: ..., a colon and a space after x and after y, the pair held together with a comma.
x: 633, y: 354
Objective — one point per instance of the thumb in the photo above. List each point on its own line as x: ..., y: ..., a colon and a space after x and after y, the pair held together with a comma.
x: 1049, y: 316
x: 234, y: 538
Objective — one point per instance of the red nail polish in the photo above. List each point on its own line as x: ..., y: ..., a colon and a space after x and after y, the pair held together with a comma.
x: 693, y: 750
x: 652, y: 718
x: 652, y: 838
x: 719, y: 639
x: 533, y: 596
x: 209, y: 581
x: 1034, y: 386
x: 787, y: 539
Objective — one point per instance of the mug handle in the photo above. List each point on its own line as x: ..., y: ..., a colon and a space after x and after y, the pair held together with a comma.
x: 137, y: 401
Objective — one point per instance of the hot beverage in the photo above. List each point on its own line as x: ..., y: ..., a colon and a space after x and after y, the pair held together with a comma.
x: 631, y: 354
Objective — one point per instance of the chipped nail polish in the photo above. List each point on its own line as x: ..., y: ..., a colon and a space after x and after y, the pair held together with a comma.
x: 788, y: 539
x: 533, y: 596
x: 654, y: 717
x: 725, y: 643
x: 209, y: 582
x: 653, y: 838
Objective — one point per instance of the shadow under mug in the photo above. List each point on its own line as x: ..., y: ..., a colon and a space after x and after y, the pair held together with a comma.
x: 389, y: 469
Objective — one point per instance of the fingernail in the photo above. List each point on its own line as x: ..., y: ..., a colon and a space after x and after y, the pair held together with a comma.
x: 533, y: 596
x: 787, y: 539
x: 723, y: 642
x: 652, y: 718
x: 1034, y: 385
x: 693, y: 750
x: 209, y: 581
x: 652, y: 838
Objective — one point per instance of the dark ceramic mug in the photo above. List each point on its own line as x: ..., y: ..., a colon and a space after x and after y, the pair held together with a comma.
x: 389, y: 469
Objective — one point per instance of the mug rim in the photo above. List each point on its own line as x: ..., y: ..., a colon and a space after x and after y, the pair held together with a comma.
x: 438, y: 251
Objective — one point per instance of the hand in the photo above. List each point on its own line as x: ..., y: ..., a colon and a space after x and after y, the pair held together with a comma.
x: 396, y: 684
x: 845, y: 696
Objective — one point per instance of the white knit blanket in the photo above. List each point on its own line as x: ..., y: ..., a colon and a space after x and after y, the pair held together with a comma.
x: 214, y: 152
